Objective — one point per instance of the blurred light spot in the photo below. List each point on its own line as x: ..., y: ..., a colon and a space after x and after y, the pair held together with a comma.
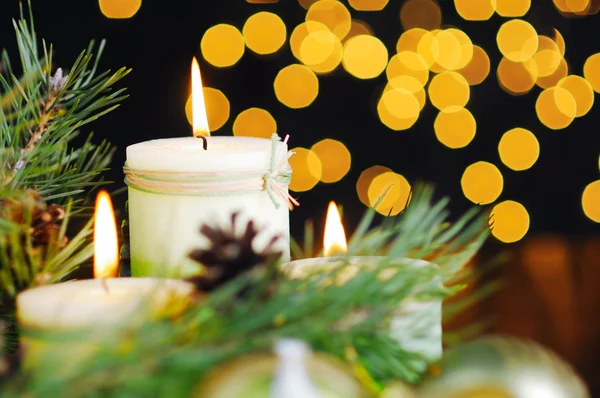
x: 119, y: 9
x: 556, y: 108
x: 560, y: 42
x: 335, y: 158
x: 582, y: 92
x: 517, y: 40
x: 515, y: 78
x: 364, y: 181
x: 333, y: 60
x: 307, y: 3
x: 264, y: 33
x: 519, y: 149
x: 217, y: 108
x: 318, y: 47
x: 222, y: 45
x: 512, y: 8
x: 408, y: 63
x: 429, y: 48
x: 448, y: 55
x: 449, y: 89
x: 365, y: 57
x: 573, y: 6
x: 553, y: 79
x: 591, y: 71
x: 509, y: 221
x: 546, y: 59
x: 466, y: 47
x: 482, y: 183
x: 393, y: 122
x: 455, y: 128
x: 478, y: 69
x: 396, y: 190
x: 401, y: 103
x: 306, y: 170
x: 410, y: 84
x: 254, y: 122
x: 301, y: 32
x: 409, y: 40
x: 332, y: 14
x: 368, y: 5
x: 358, y: 27
x: 424, y: 14
x: 296, y: 86
x: 475, y: 10
x: 590, y: 201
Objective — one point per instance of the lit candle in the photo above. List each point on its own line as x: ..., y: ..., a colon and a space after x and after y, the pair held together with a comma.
x: 105, y: 301
x: 178, y: 184
x: 427, y: 315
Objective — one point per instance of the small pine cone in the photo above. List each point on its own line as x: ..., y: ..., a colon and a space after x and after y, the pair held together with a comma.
x: 45, y: 226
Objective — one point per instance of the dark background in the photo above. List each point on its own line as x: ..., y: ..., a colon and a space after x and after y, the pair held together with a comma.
x: 552, y: 278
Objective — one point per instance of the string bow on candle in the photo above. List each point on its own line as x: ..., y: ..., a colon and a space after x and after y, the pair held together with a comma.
x: 279, y: 175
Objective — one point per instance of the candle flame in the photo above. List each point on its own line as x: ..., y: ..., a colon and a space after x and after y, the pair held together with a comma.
x: 106, y: 247
x: 199, y: 118
x: 334, y: 241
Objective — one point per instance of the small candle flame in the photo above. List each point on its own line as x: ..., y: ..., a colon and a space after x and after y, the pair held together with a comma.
x: 199, y: 118
x: 106, y: 247
x: 334, y: 241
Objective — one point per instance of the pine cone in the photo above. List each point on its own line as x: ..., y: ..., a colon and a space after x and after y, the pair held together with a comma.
x: 229, y: 254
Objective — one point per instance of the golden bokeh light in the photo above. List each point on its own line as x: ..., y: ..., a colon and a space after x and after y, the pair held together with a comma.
x: 301, y: 32
x: 364, y: 181
x: 582, y: 92
x: 429, y: 48
x: 393, y: 122
x: 509, y: 221
x: 222, y: 45
x: 517, y: 40
x: 515, y: 78
x: 296, y: 86
x: 455, y: 128
x: 579, y: 7
x: 307, y: 3
x: 306, y: 170
x: 264, y: 33
x: 482, y: 183
x: 478, y: 69
x: 560, y: 42
x: 475, y: 10
x: 401, y: 103
x: 317, y: 47
x: 119, y: 9
x: 590, y: 201
x: 546, y: 59
x: 254, y: 122
x: 553, y: 79
x: 448, y: 54
x: 358, y: 27
x: 368, y: 5
x: 556, y: 108
x: 410, y: 84
x: 365, y: 56
x: 519, y: 149
x: 409, y: 40
x: 408, y: 63
x: 424, y: 14
x: 335, y: 159
x: 390, y: 192
x: 217, y: 108
x: 512, y: 8
x: 449, y: 89
x: 591, y: 71
x: 466, y: 47
x: 333, y: 14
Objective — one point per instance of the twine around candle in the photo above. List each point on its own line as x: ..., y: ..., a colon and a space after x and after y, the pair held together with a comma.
x: 227, y: 183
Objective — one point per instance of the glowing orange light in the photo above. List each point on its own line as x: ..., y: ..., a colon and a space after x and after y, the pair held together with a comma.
x: 199, y: 118
x: 334, y: 240
x: 106, y: 247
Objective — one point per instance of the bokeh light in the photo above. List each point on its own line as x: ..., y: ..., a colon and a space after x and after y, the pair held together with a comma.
x: 424, y: 14
x: 296, y: 86
x: 590, y: 201
x: 410, y: 84
x: 482, y: 183
x: 307, y: 3
x: 449, y: 89
x: 582, y: 93
x: 553, y: 79
x: 455, y: 128
x: 560, y: 42
x: 306, y: 170
x: 365, y: 56
x: 389, y: 119
x: 119, y: 9
x: 466, y: 47
x: 409, y: 40
x: 254, y: 122
x: 448, y: 54
x: 332, y: 14
x: 517, y: 40
x: 396, y: 190
x: 591, y: 71
x: 546, y: 59
x: 429, y: 48
x: 478, y: 69
x: 301, y: 32
x: 519, y: 149
x: 368, y: 5
x: 358, y: 27
x: 556, y: 108
x: 321, y: 51
x: 217, y: 108
x: 264, y: 33
x: 514, y: 77
x: 512, y: 8
x: 335, y: 159
x: 509, y: 221
x: 222, y: 45
x: 408, y: 63
x: 475, y: 10
x: 401, y: 103
x: 579, y: 7
x: 364, y: 181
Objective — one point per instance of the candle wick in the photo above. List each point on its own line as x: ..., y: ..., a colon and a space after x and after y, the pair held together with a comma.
x: 204, y: 142
x: 104, y: 285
